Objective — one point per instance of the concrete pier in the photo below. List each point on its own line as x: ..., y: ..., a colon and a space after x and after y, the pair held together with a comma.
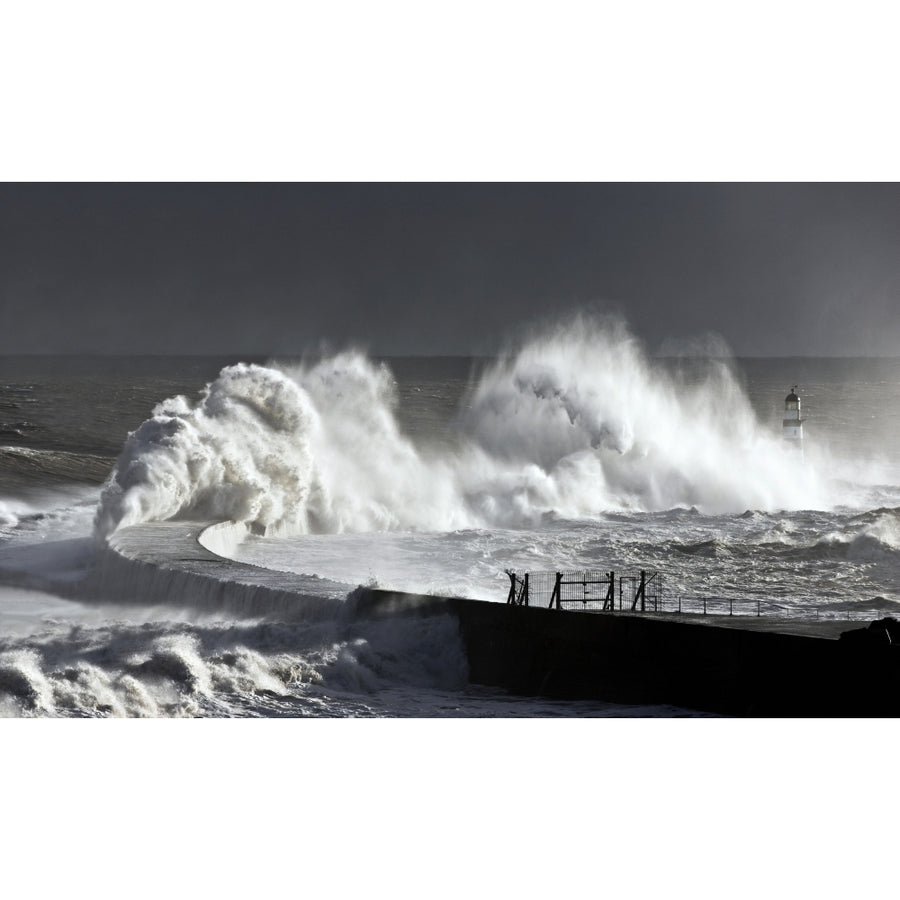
x: 734, y: 665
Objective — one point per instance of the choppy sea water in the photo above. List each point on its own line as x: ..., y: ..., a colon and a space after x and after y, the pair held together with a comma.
x: 436, y: 475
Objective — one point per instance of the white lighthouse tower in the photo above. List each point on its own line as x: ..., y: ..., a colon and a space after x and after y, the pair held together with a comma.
x: 792, y: 424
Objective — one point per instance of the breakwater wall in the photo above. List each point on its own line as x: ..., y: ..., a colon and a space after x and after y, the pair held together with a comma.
x: 169, y: 563
x: 732, y: 665
x: 736, y: 666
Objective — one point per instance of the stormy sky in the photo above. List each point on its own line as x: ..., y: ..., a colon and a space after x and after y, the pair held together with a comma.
x: 446, y: 268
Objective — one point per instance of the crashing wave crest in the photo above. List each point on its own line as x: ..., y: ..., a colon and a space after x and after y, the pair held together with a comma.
x: 576, y: 422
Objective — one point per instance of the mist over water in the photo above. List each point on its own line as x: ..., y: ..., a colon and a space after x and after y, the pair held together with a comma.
x: 599, y: 425
x: 576, y: 422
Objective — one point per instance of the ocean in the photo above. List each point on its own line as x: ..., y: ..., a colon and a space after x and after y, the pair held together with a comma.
x: 574, y: 450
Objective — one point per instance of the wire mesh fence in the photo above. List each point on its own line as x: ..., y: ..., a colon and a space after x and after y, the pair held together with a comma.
x: 586, y: 589
x: 581, y: 590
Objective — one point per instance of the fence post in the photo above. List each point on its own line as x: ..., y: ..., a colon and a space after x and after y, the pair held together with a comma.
x: 641, y: 593
x: 704, y: 606
x: 556, y: 591
x: 731, y: 606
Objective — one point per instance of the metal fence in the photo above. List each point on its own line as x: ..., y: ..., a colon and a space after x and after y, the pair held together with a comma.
x: 747, y: 606
x: 595, y: 591
x: 586, y: 590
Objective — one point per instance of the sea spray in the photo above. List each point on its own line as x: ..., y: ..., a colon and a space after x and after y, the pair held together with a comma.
x: 576, y: 422
x: 240, y: 453
x: 165, y: 668
x: 262, y: 652
x: 369, y: 476
x: 616, y: 429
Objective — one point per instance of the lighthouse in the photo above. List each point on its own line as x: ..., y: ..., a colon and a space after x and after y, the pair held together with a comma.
x: 792, y: 424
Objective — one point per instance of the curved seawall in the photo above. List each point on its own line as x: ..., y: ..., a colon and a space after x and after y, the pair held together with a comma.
x: 174, y: 563
x: 739, y: 665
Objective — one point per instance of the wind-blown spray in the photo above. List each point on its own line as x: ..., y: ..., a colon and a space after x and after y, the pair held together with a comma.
x: 576, y: 422
x: 615, y: 429
x: 240, y: 453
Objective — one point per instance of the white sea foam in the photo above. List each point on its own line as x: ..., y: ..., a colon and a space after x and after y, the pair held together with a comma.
x: 9, y: 513
x: 576, y: 422
x: 876, y: 538
x: 164, y: 668
x: 21, y: 675
x: 610, y: 428
x: 241, y: 453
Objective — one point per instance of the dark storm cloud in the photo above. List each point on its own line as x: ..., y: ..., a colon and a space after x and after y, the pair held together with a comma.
x: 446, y: 268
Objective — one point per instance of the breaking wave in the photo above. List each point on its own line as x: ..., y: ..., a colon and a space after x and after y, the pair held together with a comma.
x: 264, y: 668
x: 877, y: 538
x: 574, y: 423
